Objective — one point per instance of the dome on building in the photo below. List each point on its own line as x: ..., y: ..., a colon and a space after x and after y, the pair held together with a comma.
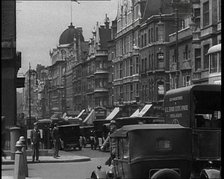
x: 68, y: 35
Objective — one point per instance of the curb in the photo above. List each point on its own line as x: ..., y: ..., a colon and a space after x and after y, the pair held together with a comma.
x: 52, y: 160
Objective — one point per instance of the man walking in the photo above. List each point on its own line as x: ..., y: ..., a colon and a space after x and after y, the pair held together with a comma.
x: 35, y: 142
x: 56, y: 140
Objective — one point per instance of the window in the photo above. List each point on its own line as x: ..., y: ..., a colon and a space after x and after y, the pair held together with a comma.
x: 142, y: 65
x: 145, y: 64
x: 142, y: 37
x: 186, y: 53
x: 152, y: 39
x: 152, y: 61
x: 197, y: 59
x: 145, y: 39
x: 197, y: 16
x: 150, y: 65
x: 206, y: 14
x: 120, y: 72
x: 149, y: 35
x: 131, y: 67
x: 157, y: 34
x: 137, y: 65
x: 186, y: 80
x: 161, y: 90
x: 137, y: 89
x: 131, y: 92
x: 206, y: 60
x: 213, y: 63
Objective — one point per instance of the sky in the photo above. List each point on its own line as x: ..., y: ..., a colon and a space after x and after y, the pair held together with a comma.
x: 39, y: 25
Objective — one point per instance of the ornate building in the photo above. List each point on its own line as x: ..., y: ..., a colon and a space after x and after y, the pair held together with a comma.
x: 69, y: 52
x: 98, y: 67
x: 206, y: 33
x: 157, y: 23
x: 126, y: 61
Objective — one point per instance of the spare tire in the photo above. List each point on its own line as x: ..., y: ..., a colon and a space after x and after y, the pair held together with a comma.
x: 166, y: 174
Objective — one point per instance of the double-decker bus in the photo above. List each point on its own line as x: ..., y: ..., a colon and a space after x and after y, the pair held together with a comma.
x: 214, y: 54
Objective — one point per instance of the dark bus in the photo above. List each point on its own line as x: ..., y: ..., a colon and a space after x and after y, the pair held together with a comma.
x: 199, y: 108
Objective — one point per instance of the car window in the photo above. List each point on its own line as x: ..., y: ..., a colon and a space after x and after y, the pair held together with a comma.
x: 123, y: 148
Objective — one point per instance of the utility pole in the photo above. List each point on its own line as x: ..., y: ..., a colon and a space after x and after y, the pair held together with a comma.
x: 29, y: 122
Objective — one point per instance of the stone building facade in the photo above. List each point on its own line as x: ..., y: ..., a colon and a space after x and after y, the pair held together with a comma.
x: 206, y: 33
x: 10, y: 64
x: 126, y: 61
x: 156, y: 25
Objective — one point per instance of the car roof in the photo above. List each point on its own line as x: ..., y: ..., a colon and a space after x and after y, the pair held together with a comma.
x: 44, y: 121
x: 86, y: 127
x: 188, y: 89
x: 122, y: 132
x: 137, y: 117
x: 69, y: 125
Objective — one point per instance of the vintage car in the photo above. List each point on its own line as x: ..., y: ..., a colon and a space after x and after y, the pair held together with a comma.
x: 70, y: 136
x: 152, y: 151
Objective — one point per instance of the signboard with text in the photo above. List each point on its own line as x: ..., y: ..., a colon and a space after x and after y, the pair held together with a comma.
x: 177, y: 109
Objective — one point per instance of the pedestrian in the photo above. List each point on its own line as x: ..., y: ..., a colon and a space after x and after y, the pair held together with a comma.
x: 113, y: 128
x: 56, y: 140
x: 35, y: 142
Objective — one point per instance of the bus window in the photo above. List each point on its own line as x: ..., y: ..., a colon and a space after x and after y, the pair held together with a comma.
x: 207, y: 121
x: 207, y: 109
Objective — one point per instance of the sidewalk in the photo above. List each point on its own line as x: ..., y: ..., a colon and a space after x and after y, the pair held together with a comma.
x: 44, y: 159
x: 47, y: 157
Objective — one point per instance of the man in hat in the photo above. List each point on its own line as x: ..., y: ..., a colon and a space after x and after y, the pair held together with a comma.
x: 113, y: 128
x: 35, y: 142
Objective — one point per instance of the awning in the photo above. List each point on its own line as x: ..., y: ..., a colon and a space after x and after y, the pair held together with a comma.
x: 89, y: 119
x: 80, y: 113
x: 135, y: 114
x: 113, y: 113
x: 144, y: 110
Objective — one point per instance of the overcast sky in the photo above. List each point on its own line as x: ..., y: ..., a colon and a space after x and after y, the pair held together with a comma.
x: 40, y: 24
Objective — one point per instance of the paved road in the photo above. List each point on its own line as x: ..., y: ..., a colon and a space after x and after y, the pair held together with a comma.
x: 76, y: 170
